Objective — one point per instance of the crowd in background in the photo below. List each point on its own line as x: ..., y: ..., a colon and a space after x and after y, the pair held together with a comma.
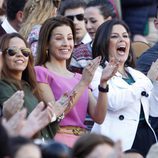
x: 72, y: 84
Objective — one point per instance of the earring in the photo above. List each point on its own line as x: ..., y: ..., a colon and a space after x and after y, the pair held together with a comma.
x: 47, y: 52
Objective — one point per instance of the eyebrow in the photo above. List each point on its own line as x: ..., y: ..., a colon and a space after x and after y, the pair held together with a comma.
x: 118, y: 33
x: 59, y: 34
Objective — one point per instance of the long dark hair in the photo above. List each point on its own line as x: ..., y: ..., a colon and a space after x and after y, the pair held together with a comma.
x: 102, y: 39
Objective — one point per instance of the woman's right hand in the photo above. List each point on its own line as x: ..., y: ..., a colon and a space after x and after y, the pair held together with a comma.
x: 89, y: 70
x: 63, y: 104
x: 13, y: 104
x: 153, y: 71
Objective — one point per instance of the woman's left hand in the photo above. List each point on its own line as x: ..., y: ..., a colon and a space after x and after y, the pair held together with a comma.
x: 110, y: 70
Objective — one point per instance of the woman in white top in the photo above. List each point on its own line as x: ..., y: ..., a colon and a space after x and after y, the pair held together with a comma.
x: 131, y: 97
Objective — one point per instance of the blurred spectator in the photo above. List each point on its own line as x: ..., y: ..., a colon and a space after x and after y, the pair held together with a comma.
x: 96, y: 12
x: 35, y: 13
x: 5, y: 146
x: 14, y: 16
x: 2, y: 10
x: 117, y: 6
x: 93, y: 146
x: 139, y: 15
x: 146, y: 59
x: 74, y: 10
x: 52, y: 149
x: 24, y: 148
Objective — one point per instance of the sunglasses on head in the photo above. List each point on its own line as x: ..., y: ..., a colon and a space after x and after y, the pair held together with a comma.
x: 79, y: 17
x: 56, y: 3
x: 13, y: 51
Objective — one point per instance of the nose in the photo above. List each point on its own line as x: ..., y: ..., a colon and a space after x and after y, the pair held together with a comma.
x: 75, y: 20
x: 121, y: 38
x: 65, y: 42
x: 88, y: 25
x: 19, y: 53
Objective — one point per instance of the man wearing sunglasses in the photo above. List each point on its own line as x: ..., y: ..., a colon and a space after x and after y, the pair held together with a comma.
x: 14, y: 13
x: 74, y: 10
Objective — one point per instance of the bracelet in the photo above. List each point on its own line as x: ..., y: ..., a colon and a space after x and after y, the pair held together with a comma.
x: 104, y: 90
x: 59, y: 118
x: 54, y: 118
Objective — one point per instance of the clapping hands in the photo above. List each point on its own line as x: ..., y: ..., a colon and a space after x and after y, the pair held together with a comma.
x: 109, y: 70
x: 89, y: 70
x: 13, y: 104
x: 63, y: 105
x: 153, y: 72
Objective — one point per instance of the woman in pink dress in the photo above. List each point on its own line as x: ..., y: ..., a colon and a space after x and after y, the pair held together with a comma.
x: 56, y: 42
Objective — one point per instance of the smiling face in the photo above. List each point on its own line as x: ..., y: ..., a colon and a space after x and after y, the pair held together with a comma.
x: 61, y: 43
x: 119, y: 43
x: 93, y: 19
x: 18, y: 62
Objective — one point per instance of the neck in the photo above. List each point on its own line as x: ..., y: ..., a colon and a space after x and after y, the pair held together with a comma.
x: 78, y: 41
x: 14, y: 25
x: 59, y: 67
x: 121, y: 69
x: 16, y: 75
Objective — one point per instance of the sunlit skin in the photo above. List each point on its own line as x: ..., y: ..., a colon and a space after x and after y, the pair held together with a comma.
x: 119, y: 39
x: 28, y: 151
x: 17, y: 63
x: 79, y: 25
x: 61, y: 44
x: 93, y: 19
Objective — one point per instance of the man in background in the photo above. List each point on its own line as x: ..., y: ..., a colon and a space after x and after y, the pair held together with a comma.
x: 14, y: 16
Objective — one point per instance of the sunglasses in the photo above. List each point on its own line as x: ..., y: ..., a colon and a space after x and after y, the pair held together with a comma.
x: 12, y: 51
x: 56, y: 3
x: 79, y: 17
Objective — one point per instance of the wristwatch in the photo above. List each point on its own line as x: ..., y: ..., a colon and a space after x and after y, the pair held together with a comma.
x: 104, y: 90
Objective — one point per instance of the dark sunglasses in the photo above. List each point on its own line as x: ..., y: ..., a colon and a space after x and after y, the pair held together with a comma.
x: 56, y: 3
x: 79, y: 17
x: 12, y: 51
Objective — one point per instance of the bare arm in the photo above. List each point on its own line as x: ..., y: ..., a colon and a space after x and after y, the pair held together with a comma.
x: 78, y: 90
x: 97, y: 109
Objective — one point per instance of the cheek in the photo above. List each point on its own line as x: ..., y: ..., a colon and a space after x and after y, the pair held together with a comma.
x: 27, y: 61
x: 112, y: 49
x: 8, y: 62
x: 96, y: 26
x: 72, y: 44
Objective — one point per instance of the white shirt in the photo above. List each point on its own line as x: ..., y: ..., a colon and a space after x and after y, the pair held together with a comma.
x: 124, y: 102
x: 7, y: 27
x: 86, y: 39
